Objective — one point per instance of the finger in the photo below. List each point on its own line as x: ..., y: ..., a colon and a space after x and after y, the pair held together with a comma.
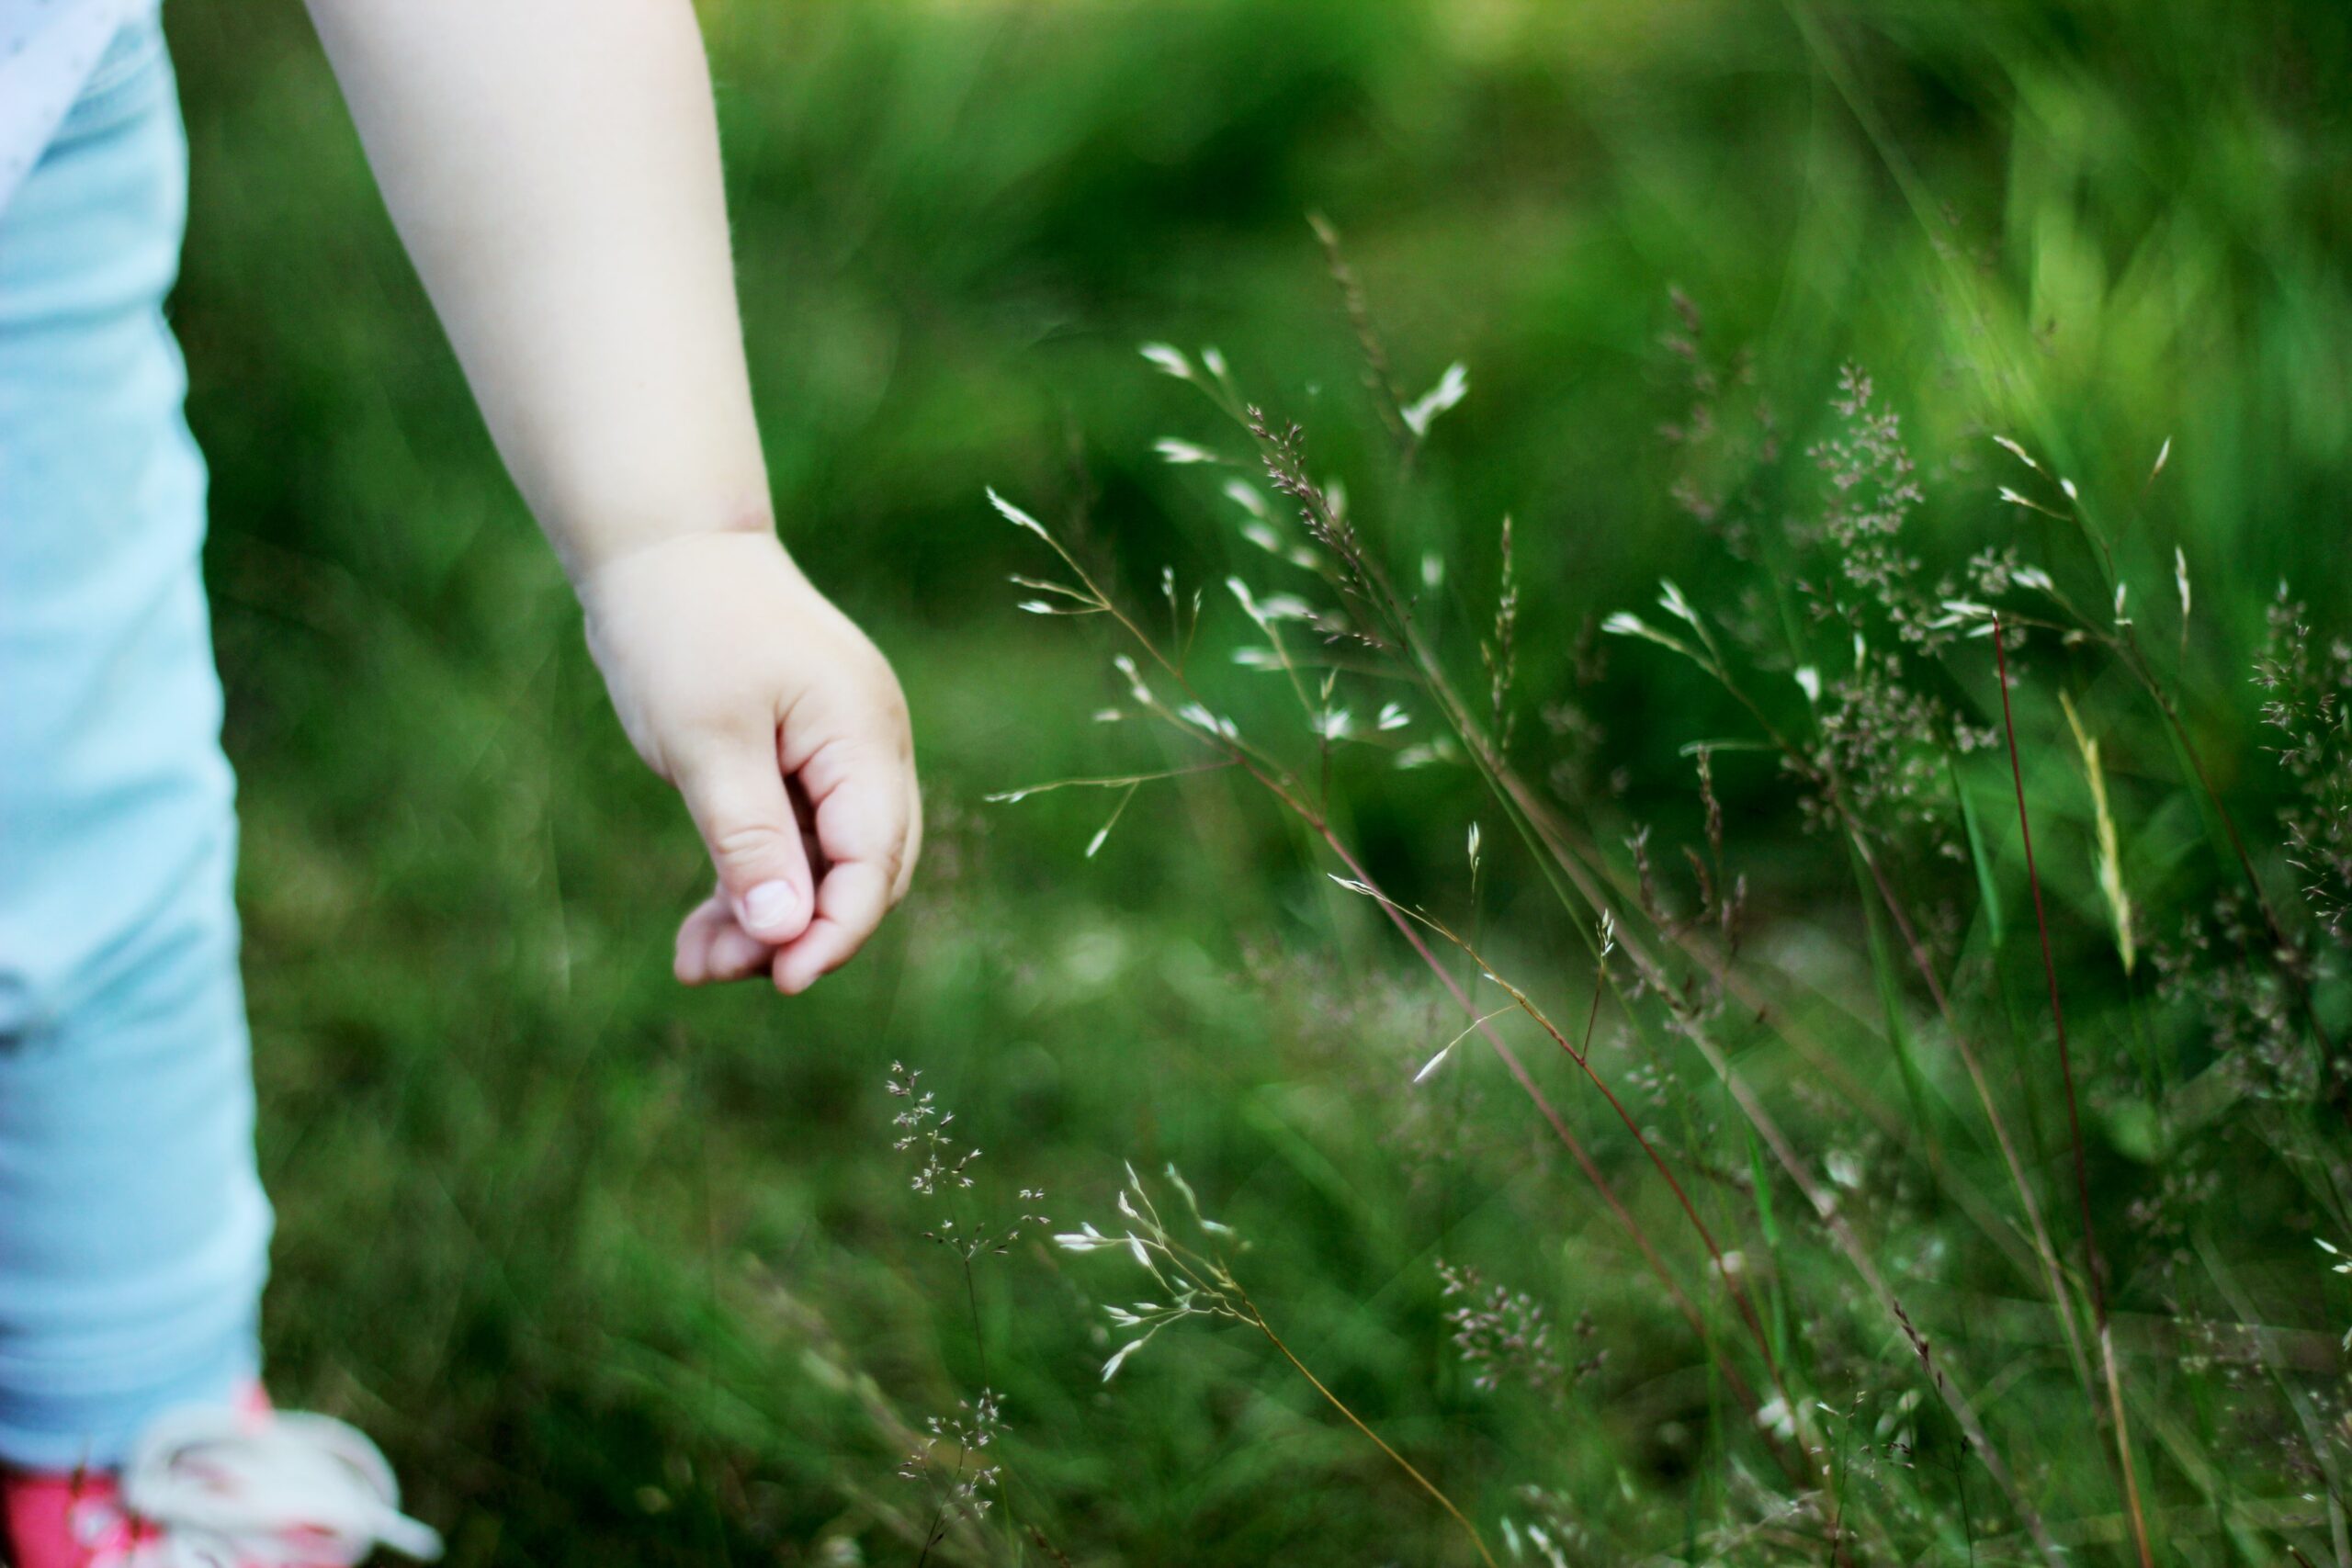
x: 862, y: 805
x: 913, y: 850
x: 737, y: 954
x: 851, y: 902
x: 736, y: 793
x: 696, y: 932
x: 712, y: 947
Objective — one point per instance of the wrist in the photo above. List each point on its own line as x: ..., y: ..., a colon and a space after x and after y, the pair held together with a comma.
x: 593, y: 558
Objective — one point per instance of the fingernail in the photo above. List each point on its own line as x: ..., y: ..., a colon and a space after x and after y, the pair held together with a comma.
x: 769, y: 908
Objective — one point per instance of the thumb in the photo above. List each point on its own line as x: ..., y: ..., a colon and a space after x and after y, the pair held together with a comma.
x: 736, y: 796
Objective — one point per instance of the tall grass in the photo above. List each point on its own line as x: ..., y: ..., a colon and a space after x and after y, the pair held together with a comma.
x: 1858, y: 669
x: 622, y: 1275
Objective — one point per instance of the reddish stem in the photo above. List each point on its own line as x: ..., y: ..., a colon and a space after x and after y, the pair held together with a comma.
x: 2073, y: 1113
x: 1526, y: 1081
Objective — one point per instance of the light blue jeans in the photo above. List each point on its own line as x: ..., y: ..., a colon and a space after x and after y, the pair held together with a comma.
x: 133, y: 1232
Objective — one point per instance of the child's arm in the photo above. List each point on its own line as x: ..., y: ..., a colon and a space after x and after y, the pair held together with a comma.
x: 553, y: 168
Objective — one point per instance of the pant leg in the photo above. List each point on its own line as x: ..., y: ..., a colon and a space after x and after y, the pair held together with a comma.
x: 133, y: 1232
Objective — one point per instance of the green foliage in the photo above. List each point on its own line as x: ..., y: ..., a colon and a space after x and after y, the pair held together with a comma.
x: 622, y: 1273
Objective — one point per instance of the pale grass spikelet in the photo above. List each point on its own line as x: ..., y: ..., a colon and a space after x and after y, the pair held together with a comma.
x: 1136, y: 687
x: 1014, y: 515
x: 1473, y: 845
x: 1168, y: 360
x: 1240, y: 591
x: 1432, y: 570
x: 1422, y: 412
x: 1428, y: 754
x: 2164, y: 456
x: 2018, y: 452
x: 1671, y: 601
x: 1176, y: 452
x: 1624, y: 623
x: 2111, y: 855
x: 1392, y: 717
x: 1259, y: 534
x: 1199, y: 718
x: 1245, y: 497
x: 1961, y: 612
x: 1103, y: 834
x: 1808, y: 680
x: 2180, y: 577
x: 1194, y: 1283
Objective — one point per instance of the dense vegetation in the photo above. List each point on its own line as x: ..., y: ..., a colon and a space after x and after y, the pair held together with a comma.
x: 1798, y: 1233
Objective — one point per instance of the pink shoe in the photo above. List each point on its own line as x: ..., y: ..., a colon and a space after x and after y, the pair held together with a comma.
x: 217, y: 1488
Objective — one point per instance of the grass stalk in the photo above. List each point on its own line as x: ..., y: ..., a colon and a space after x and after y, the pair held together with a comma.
x: 2093, y: 1266
x: 1258, y: 1321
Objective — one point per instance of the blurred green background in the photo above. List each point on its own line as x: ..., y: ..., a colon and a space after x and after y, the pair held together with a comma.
x: 623, y: 1273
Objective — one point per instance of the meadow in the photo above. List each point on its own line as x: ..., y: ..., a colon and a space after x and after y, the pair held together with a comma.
x: 1647, y: 1104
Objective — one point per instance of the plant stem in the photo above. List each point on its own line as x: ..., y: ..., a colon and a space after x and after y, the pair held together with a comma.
x: 2073, y: 1118
x: 1258, y: 1321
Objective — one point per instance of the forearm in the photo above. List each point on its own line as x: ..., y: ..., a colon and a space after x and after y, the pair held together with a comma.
x: 552, y: 166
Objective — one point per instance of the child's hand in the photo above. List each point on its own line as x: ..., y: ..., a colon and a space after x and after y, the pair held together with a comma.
x: 566, y: 209
x: 743, y: 686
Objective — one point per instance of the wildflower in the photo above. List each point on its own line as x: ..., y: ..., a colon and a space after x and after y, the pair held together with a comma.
x: 945, y: 1164
x: 1500, y: 1333
x: 964, y: 1491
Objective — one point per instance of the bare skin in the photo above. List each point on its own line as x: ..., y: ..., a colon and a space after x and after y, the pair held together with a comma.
x: 552, y: 166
